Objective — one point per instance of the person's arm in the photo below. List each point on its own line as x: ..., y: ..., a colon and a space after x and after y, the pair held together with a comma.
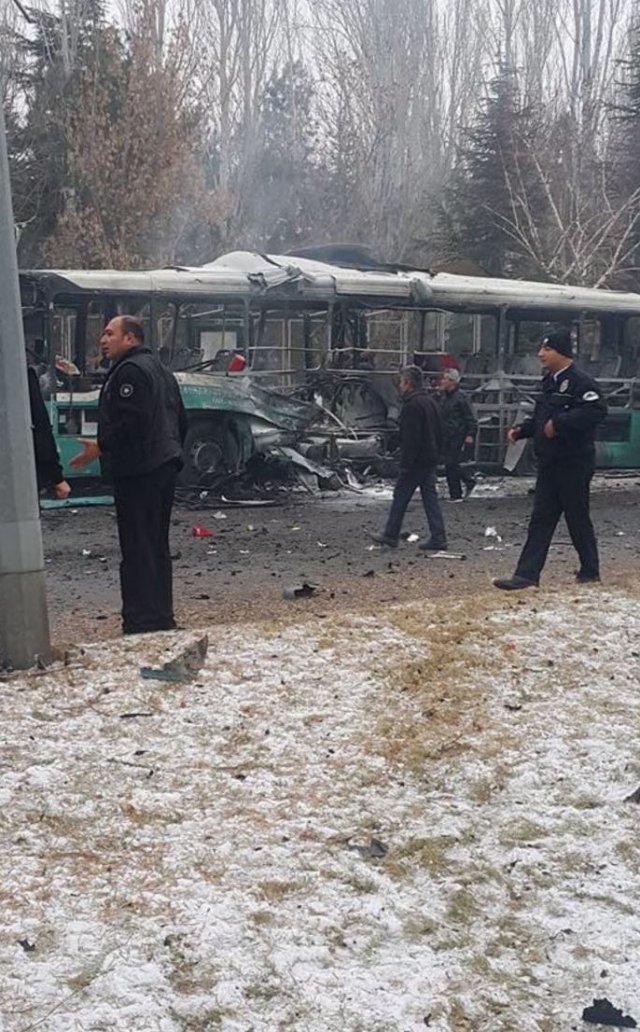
x: 48, y: 465
x: 183, y: 422
x: 410, y: 435
x: 521, y: 431
x: 470, y: 422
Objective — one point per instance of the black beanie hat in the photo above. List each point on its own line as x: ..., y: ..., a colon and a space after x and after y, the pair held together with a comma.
x: 560, y: 342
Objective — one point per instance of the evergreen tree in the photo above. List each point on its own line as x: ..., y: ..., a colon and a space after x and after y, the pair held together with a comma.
x: 283, y: 196
x: 495, y: 183
x: 55, y: 57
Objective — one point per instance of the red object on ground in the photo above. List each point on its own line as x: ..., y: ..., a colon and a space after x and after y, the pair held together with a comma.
x: 201, y: 532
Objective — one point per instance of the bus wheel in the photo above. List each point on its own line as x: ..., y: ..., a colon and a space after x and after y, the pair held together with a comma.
x: 209, y: 450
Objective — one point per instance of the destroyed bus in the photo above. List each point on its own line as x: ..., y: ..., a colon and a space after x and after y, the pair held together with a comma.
x: 277, y: 350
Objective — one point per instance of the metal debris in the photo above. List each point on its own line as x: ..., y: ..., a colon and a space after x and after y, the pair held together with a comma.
x: 182, y: 667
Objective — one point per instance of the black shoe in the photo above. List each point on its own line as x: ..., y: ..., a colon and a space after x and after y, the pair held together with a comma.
x: 587, y: 578
x: 382, y: 539
x: 429, y: 546
x: 514, y: 583
x: 172, y: 626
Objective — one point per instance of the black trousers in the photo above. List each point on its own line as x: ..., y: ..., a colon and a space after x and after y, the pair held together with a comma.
x: 143, y: 510
x: 404, y: 490
x: 456, y: 477
x: 561, y: 488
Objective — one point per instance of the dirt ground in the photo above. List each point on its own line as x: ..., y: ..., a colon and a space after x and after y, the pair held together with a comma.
x: 241, y: 572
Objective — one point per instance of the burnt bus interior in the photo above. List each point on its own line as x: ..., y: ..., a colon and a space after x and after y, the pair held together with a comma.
x: 347, y: 352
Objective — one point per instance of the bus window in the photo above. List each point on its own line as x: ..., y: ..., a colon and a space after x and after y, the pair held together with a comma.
x: 164, y: 321
x: 631, y: 349
x: 63, y: 331
x: 209, y: 335
x: 388, y: 335
x: 95, y: 326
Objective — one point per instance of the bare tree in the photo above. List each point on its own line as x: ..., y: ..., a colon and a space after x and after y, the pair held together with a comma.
x: 394, y: 101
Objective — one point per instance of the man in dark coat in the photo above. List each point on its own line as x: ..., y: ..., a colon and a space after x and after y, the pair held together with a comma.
x: 48, y: 466
x: 141, y: 426
x: 458, y: 431
x: 420, y: 445
x: 563, y: 427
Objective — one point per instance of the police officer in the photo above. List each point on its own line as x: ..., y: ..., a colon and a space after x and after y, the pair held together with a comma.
x: 141, y: 426
x: 563, y: 429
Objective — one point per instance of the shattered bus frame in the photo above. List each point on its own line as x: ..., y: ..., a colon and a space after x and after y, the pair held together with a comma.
x: 316, y: 348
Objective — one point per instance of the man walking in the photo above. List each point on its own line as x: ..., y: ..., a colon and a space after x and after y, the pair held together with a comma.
x: 458, y: 430
x: 420, y: 445
x: 141, y: 426
x: 563, y: 429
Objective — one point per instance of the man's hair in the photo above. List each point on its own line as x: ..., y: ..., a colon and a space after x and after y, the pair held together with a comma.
x: 413, y: 374
x: 131, y: 324
x: 452, y: 374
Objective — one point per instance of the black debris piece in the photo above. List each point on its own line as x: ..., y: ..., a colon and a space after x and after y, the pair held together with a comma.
x: 27, y: 946
x: 604, y: 1013
x: 634, y: 797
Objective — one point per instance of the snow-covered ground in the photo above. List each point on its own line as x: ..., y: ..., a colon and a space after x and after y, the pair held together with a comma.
x: 367, y: 823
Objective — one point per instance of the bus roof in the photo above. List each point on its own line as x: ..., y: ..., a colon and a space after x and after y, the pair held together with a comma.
x: 473, y: 292
x: 246, y: 274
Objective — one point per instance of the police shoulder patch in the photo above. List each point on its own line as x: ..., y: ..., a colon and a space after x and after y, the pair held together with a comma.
x: 564, y: 386
x: 126, y: 390
x: 590, y: 396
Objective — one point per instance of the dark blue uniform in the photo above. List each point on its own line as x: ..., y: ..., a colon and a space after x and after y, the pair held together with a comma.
x: 573, y: 402
x: 141, y: 427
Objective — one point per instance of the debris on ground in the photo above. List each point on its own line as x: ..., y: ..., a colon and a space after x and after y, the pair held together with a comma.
x: 634, y: 797
x: 183, y: 667
x: 201, y: 532
x: 491, y: 534
x: 440, y: 554
x: 304, y: 590
x: 604, y: 1013
x: 375, y: 850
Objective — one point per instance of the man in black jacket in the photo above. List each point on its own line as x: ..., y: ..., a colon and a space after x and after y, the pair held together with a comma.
x: 420, y: 445
x: 48, y: 466
x: 141, y: 426
x: 563, y: 427
x: 458, y: 431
